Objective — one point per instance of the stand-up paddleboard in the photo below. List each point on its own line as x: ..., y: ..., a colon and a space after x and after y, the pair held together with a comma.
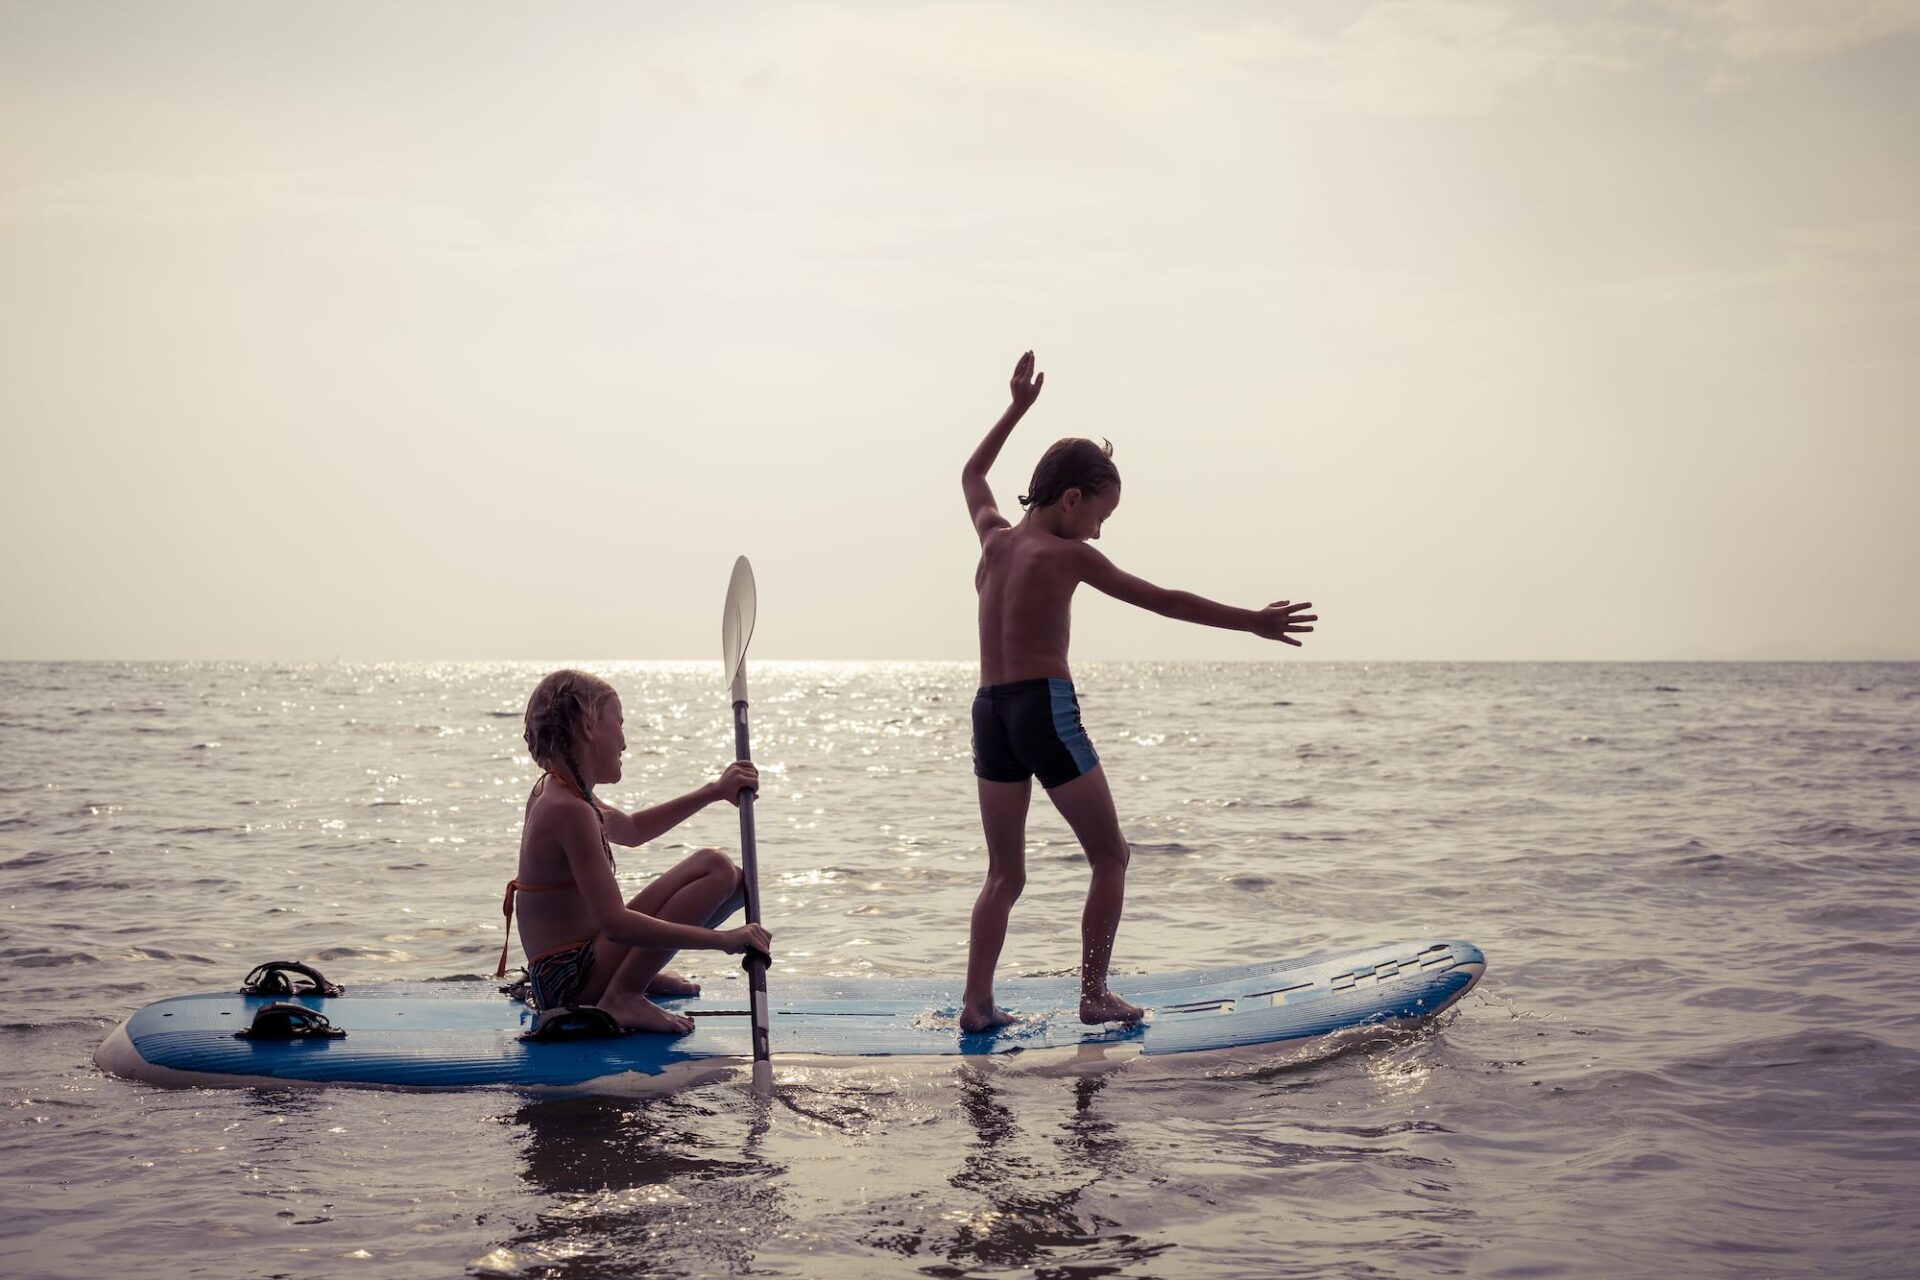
x: 440, y: 1035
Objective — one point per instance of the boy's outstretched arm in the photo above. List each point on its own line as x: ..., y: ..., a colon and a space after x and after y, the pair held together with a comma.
x: 973, y: 477
x: 1281, y: 620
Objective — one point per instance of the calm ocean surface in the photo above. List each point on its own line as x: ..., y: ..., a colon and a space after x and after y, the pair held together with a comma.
x: 1696, y: 1051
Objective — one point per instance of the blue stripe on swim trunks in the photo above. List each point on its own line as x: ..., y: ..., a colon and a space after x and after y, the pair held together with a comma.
x: 1066, y: 724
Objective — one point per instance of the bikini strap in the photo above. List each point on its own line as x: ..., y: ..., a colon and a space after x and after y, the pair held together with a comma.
x: 506, y: 909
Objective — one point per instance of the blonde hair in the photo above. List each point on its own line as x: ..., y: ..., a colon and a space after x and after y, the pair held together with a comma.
x: 557, y: 714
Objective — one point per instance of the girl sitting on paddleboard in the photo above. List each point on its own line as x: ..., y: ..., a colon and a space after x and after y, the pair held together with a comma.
x: 586, y: 946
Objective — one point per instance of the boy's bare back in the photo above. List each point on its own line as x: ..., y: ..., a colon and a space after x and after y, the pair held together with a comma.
x: 1025, y: 581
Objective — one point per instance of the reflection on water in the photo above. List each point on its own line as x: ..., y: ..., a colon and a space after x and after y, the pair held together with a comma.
x: 1036, y: 1193
x: 984, y: 1169
x: 667, y: 1185
x: 688, y: 1184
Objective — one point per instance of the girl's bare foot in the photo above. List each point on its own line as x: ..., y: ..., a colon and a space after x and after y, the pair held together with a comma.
x: 666, y: 983
x: 972, y: 1020
x: 637, y: 1013
x: 1108, y: 1007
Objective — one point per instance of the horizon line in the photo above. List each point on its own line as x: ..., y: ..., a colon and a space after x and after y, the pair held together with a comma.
x: 337, y: 659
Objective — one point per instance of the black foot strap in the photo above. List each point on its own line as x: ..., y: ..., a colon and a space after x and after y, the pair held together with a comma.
x: 285, y: 1021
x: 277, y: 978
x: 580, y: 1022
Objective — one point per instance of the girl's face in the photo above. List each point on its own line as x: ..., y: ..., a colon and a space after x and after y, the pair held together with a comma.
x: 604, y: 740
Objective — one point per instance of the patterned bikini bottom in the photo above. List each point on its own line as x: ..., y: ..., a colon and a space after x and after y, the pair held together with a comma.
x: 558, y: 977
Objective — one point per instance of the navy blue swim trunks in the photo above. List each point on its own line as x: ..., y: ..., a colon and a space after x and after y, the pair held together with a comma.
x: 1030, y: 728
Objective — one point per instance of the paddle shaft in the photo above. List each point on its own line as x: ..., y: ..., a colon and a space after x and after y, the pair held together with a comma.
x: 755, y: 962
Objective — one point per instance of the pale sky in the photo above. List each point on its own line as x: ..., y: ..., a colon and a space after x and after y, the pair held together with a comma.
x: 479, y: 330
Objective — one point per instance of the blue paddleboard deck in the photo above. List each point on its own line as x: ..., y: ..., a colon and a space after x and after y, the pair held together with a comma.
x: 441, y: 1035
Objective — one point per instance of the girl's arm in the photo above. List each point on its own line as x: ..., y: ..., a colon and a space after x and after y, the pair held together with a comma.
x: 630, y: 829
x: 973, y: 477
x: 1280, y: 620
x: 578, y: 832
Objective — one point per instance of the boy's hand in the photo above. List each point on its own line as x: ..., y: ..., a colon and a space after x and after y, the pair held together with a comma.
x: 1026, y: 386
x: 739, y: 776
x: 1281, y: 621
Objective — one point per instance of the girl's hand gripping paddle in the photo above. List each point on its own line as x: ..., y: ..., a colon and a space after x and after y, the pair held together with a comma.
x: 736, y: 629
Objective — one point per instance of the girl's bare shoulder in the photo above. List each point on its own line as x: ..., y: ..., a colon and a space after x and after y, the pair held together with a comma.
x: 553, y: 808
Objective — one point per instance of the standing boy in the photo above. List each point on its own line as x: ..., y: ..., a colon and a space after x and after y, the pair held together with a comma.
x: 1026, y: 718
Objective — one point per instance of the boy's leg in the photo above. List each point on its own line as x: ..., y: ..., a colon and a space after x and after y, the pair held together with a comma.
x: 1003, y: 815
x: 691, y: 892
x: 1087, y: 805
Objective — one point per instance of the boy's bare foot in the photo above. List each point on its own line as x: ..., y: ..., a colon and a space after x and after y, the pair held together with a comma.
x: 972, y: 1020
x: 666, y: 983
x: 1108, y: 1008
x: 637, y: 1013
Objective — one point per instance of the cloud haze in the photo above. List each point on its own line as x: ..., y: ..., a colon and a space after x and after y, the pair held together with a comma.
x: 1498, y: 330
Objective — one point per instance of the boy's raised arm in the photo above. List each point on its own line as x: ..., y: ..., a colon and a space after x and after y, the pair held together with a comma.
x: 973, y: 477
x: 1281, y: 620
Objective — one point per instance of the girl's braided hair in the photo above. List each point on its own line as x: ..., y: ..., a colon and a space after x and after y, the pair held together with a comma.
x: 1071, y: 464
x: 556, y: 718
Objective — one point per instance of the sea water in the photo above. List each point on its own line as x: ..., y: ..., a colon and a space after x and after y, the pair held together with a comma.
x: 1696, y: 1051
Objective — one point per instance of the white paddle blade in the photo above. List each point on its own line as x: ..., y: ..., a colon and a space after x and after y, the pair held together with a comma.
x: 736, y: 626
